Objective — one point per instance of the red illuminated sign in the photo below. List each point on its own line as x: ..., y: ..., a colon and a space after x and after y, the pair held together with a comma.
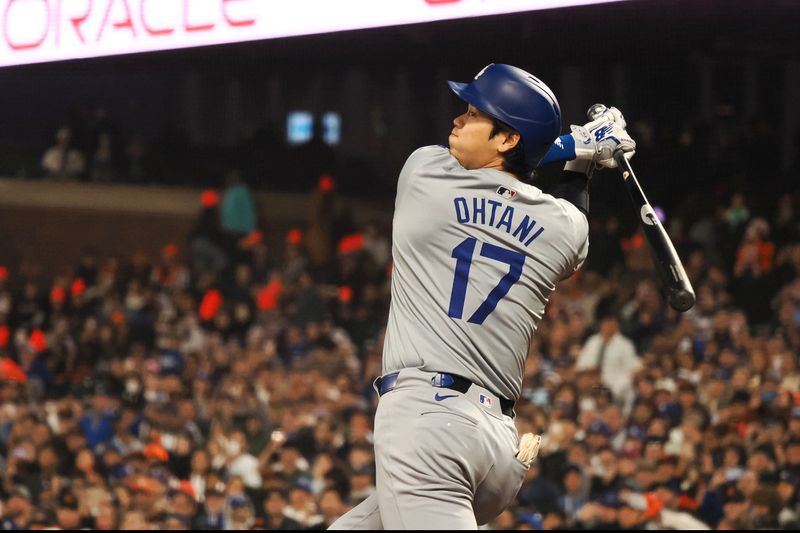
x: 33, y: 31
x: 131, y: 16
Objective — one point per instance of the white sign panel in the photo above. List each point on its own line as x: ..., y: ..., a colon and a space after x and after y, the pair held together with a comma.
x: 35, y: 31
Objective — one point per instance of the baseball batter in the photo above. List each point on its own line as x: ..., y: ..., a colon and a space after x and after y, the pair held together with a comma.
x: 477, y: 253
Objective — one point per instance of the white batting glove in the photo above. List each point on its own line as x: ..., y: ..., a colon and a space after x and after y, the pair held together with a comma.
x: 598, y: 140
x: 627, y: 144
x: 612, y: 139
x: 529, y: 448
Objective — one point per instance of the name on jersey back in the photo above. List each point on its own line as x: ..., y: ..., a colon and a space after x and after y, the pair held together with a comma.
x: 497, y: 214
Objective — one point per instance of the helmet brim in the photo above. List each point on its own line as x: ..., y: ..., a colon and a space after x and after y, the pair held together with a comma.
x: 467, y: 92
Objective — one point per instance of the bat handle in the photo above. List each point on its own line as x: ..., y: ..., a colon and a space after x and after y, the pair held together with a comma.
x: 624, y: 166
x: 623, y: 163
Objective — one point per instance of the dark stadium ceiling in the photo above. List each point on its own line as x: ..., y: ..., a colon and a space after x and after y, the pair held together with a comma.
x: 637, y: 31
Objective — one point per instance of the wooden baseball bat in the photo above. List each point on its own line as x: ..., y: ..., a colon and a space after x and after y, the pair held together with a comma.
x: 675, y: 284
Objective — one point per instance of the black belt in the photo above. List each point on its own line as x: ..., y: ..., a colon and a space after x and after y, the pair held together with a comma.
x: 443, y: 380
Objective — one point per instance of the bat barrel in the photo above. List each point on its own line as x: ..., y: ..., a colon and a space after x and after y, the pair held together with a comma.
x: 681, y: 299
x: 677, y: 289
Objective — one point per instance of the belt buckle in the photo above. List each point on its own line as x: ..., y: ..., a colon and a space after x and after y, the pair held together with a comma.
x: 442, y: 380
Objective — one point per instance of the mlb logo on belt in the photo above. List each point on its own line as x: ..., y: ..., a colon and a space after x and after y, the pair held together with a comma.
x: 506, y: 193
x: 486, y: 401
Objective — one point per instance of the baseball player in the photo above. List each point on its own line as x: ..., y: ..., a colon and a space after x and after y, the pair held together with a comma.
x: 477, y: 253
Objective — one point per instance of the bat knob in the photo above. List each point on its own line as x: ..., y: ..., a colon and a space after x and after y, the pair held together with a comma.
x: 595, y: 111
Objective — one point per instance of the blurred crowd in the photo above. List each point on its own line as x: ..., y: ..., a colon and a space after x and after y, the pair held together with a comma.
x: 227, y: 384
x: 722, y: 152
x: 90, y: 146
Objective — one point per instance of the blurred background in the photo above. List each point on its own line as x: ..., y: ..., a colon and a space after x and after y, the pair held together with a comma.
x: 195, y: 260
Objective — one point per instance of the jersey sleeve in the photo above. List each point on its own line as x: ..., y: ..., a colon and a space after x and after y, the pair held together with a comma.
x: 583, y: 252
x: 580, y: 235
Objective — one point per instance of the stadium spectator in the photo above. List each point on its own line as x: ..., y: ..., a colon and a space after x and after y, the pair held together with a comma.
x: 103, y: 164
x: 613, y: 356
x: 237, y: 209
x: 62, y: 160
x: 160, y: 392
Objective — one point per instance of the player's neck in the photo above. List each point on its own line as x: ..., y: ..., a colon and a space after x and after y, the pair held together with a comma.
x: 497, y: 164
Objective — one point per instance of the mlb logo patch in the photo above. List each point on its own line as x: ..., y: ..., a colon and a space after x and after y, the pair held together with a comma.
x: 506, y: 193
x: 486, y: 401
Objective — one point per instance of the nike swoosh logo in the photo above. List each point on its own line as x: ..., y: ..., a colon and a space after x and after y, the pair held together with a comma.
x: 439, y: 397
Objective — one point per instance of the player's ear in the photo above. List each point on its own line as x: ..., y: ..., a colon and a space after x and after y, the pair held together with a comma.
x: 510, y: 140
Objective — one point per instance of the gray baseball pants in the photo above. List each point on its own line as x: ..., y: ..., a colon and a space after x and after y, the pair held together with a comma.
x: 445, y: 460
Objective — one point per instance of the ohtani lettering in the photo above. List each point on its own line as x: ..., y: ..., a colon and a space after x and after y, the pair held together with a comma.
x: 484, y: 212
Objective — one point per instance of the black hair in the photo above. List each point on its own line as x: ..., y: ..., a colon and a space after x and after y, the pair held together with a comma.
x: 513, y: 160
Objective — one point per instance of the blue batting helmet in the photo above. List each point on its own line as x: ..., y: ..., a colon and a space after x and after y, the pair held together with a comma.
x: 518, y: 99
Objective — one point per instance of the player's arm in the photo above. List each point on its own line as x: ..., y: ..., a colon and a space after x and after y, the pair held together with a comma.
x: 574, y: 187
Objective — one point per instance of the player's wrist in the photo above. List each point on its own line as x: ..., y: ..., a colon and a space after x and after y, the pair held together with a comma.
x: 585, y: 146
x: 562, y: 149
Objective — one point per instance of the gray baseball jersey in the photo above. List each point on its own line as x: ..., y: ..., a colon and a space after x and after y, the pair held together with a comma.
x: 477, y: 254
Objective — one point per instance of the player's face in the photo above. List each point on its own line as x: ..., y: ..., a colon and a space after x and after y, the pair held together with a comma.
x: 470, y: 143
